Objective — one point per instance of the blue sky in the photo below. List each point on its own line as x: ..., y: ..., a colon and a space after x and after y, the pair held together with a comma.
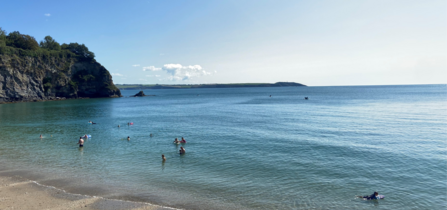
x: 320, y: 43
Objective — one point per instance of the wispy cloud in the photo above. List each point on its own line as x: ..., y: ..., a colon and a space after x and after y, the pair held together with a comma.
x: 136, y: 65
x: 48, y: 14
x: 117, y: 74
x: 153, y: 75
x: 151, y: 68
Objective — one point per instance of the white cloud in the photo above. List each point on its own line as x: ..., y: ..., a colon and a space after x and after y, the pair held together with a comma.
x: 179, y: 72
x: 48, y: 14
x: 117, y: 74
x: 151, y: 68
x: 136, y: 65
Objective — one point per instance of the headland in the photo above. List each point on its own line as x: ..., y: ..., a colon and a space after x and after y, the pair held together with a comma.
x: 185, y: 86
x: 49, y: 71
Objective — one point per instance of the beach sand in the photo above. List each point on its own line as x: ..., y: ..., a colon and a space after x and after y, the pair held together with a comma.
x: 20, y: 193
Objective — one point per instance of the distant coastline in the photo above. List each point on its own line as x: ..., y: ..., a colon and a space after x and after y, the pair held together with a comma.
x: 185, y: 86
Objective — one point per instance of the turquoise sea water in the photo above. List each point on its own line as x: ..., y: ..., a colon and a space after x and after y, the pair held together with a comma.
x: 245, y: 150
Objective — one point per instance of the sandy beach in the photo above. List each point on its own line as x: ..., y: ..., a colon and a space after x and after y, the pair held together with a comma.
x: 20, y: 193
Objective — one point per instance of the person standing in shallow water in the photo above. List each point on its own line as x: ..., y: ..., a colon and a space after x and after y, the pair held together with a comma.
x: 81, y: 142
x: 182, y: 150
x: 163, y: 157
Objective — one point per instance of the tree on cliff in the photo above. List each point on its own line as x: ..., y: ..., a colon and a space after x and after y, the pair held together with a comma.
x: 79, y: 49
x: 49, y: 43
x: 26, y: 42
x: 2, y: 37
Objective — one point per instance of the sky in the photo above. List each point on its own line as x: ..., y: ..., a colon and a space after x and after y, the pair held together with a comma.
x: 316, y: 43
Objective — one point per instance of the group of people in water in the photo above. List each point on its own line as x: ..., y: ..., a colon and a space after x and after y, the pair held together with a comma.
x: 183, y: 141
x: 182, y: 150
x: 176, y: 141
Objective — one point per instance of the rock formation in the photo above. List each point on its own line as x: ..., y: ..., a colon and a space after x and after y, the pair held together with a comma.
x: 139, y: 94
x: 31, y: 78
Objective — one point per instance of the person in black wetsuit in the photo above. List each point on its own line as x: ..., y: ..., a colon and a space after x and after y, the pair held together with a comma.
x: 372, y: 197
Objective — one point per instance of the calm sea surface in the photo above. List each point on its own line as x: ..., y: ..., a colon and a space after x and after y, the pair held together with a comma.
x: 245, y: 150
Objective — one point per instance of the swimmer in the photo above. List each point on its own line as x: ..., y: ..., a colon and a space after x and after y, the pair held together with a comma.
x: 176, y: 141
x: 85, y: 136
x: 118, y: 126
x: 163, y: 158
x: 151, y: 135
x: 372, y: 197
x: 270, y: 95
x: 81, y: 142
x: 183, y: 140
x: 41, y: 136
x: 128, y: 138
x: 182, y: 150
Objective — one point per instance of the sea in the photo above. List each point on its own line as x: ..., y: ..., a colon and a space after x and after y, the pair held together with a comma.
x: 247, y: 148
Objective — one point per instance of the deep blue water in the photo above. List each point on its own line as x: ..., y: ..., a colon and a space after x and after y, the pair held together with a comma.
x: 245, y: 150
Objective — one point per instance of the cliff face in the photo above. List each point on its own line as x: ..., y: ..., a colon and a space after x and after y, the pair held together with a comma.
x: 26, y: 78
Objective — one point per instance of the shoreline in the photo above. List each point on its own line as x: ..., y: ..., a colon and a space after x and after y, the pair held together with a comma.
x: 17, y: 192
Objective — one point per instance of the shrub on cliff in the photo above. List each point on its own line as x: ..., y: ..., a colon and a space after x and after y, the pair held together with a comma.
x: 2, y: 37
x: 50, y: 44
x: 23, y: 41
x: 79, y: 49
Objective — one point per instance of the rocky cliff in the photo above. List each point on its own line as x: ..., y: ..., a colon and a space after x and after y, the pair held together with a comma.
x: 31, y: 78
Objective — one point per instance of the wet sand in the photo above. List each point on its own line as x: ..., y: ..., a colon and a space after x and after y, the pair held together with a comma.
x: 20, y: 193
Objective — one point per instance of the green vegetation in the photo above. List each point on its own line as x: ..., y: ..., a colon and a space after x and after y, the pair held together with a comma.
x: 47, y: 84
x: 50, y: 44
x: 82, y: 76
x: 2, y: 37
x: 19, y: 44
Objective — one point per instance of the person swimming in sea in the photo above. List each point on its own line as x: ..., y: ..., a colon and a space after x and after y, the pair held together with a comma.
x: 163, y: 157
x: 183, y: 140
x: 182, y: 150
x: 41, y: 136
x: 81, y: 142
x: 176, y: 141
x: 128, y: 138
x: 374, y: 196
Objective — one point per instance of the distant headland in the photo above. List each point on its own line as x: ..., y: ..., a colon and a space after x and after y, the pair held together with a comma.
x: 184, y: 86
